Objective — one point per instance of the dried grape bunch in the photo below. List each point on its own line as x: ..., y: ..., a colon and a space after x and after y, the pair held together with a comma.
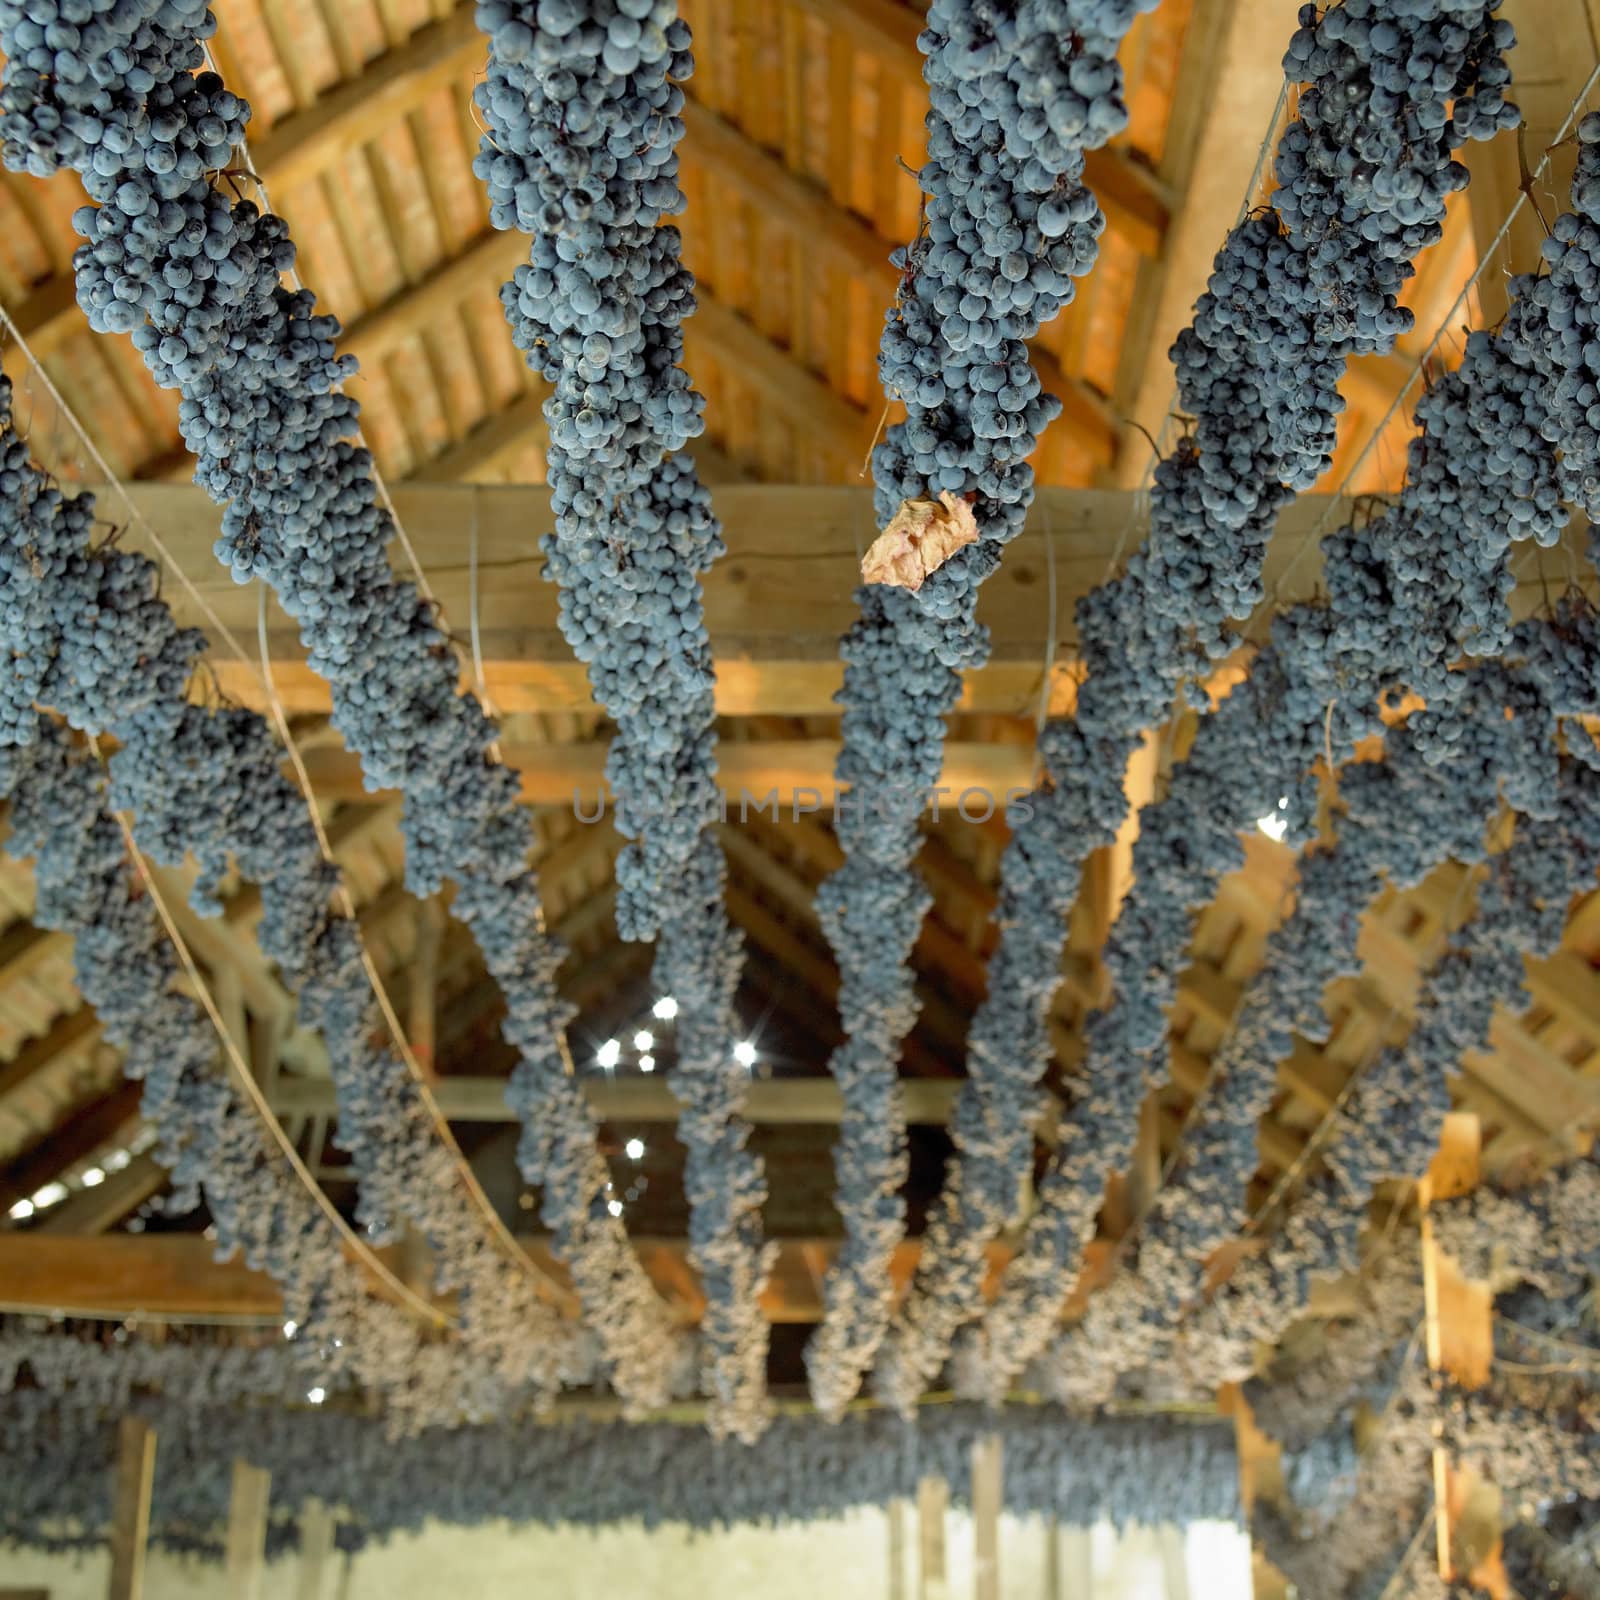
x: 594, y: 1474
x: 582, y: 108
x: 214, y: 1142
x: 1018, y: 91
x: 1390, y: 1126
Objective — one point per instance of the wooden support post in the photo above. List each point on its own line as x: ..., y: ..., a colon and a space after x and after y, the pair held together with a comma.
x: 1459, y: 1327
x: 1053, y: 1589
x: 933, y: 1495
x: 247, y: 1530
x: 130, y: 1506
x: 897, y: 1549
x: 986, y: 1499
x: 316, y: 1551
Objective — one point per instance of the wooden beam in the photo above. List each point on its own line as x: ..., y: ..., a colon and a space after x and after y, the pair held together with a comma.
x: 130, y: 1507
x: 357, y: 111
x: 770, y: 1102
x: 422, y: 1019
x: 177, y: 1275
x: 798, y: 771
x: 489, y: 445
x: 70, y: 1144
x: 100, y: 1208
x: 49, y: 315
x: 491, y: 258
x: 798, y: 203
x: 1459, y: 1333
x: 75, y: 1032
x: 933, y: 1496
x: 246, y: 1544
x: 899, y: 1516
x: 316, y: 1551
x: 776, y: 605
x: 986, y: 1503
x: 791, y: 389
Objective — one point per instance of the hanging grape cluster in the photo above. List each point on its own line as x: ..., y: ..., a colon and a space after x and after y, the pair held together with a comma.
x: 1018, y: 92
x: 582, y: 109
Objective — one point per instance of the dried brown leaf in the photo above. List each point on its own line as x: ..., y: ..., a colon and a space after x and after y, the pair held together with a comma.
x: 921, y: 536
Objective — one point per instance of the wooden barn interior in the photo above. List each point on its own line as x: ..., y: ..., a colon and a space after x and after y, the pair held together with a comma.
x: 803, y: 134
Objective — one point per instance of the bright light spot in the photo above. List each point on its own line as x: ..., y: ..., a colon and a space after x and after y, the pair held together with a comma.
x: 1275, y: 825
x: 117, y: 1160
x: 317, y: 1395
x: 745, y: 1053
x: 666, y: 1008
x: 635, y: 1149
x: 52, y: 1194
x: 609, y: 1054
x: 93, y: 1178
x: 290, y: 1328
x: 614, y: 1207
x: 643, y: 1039
x: 21, y: 1211
x: 647, y: 1063
x: 338, y: 1344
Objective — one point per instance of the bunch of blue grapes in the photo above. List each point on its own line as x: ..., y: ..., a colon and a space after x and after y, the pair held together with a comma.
x: 261, y: 408
x: 1390, y: 1127
x: 207, y: 1133
x: 582, y: 105
x: 582, y: 108
x: 1298, y: 288
x: 1018, y: 92
x: 205, y: 782
x: 1395, y: 820
x: 1560, y: 327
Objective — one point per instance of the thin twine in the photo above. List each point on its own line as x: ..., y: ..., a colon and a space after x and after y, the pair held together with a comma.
x: 292, y: 749
x: 397, y: 1289
x: 1313, y: 539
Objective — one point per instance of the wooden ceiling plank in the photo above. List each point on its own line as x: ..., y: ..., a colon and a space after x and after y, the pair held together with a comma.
x: 75, y: 1032
x: 776, y: 605
x: 177, y: 1275
x: 573, y: 774
x: 490, y: 445
x: 91, y: 1128
x: 347, y: 117
x: 99, y: 1209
